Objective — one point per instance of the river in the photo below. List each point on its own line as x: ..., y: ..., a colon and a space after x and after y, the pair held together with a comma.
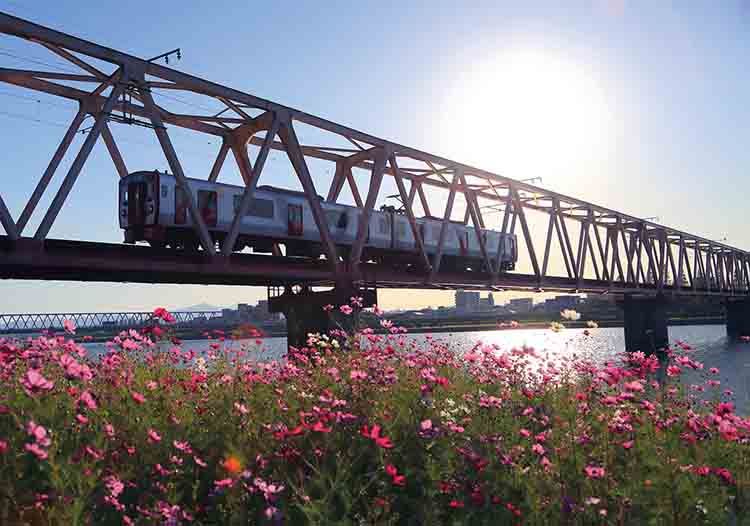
x: 709, y: 342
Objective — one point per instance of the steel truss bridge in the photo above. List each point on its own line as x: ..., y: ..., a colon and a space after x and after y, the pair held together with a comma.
x: 565, y: 244
x: 94, y: 320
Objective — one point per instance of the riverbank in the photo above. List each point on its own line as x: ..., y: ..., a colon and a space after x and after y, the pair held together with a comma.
x: 198, y: 333
x: 373, y: 435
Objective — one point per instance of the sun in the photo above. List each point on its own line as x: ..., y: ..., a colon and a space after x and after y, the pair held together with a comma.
x: 526, y: 113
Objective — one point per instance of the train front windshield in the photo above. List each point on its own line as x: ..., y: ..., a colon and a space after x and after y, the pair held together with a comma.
x: 138, y: 194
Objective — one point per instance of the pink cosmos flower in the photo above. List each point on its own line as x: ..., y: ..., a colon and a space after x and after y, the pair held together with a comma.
x: 40, y: 453
x: 673, y: 370
x: 69, y: 327
x: 594, y: 472
x: 114, y: 485
x: 627, y: 444
x: 39, y: 433
x: 162, y: 314
x: 356, y: 301
x: 109, y: 430
x: 538, y: 449
x: 153, y: 436
x: 374, y: 434
x: 223, y: 483
x: 137, y: 397
x: 356, y: 374
x: 725, y: 475
x: 377, y: 310
x: 713, y: 370
x: 426, y: 425
x: 635, y: 386
x: 182, y: 446
x: 88, y: 400
x: 3, y: 446
x: 346, y: 309
x: 328, y: 308
x: 33, y: 382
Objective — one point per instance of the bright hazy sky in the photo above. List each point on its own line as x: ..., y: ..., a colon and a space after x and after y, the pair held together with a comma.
x: 637, y: 106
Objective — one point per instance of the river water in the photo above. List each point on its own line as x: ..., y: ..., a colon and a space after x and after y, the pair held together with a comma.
x: 709, y: 342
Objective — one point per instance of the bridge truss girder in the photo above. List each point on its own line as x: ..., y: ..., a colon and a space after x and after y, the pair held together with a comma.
x: 628, y: 253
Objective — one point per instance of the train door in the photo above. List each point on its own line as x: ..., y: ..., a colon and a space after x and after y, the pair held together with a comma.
x: 208, y: 202
x: 463, y: 241
x: 136, y: 202
x: 295, y: 224
x: 180, y: 206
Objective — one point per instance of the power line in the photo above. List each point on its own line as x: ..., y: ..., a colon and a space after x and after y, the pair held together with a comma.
x: 8, y: 53
x: 33, y: 119
x: 33, y: 99
x: 183, y: 101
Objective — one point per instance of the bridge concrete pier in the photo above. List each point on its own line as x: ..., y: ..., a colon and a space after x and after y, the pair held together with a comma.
x: 646, y: 326
x: 738, y: 318
x: 305, y: 313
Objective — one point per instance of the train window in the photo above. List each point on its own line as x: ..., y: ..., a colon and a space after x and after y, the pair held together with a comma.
x: 295, y: 225
x: 164, y: 190
x: 401, y: 229
x: 207, y: 204
x: 180, y: 206
x: 337, y: 219
x: 383, y: 225
x: 257, y: 208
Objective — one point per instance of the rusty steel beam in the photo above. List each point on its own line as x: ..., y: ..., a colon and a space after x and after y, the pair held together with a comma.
x: 176, y: 80
x: 250, y: 186
x: 718, y: 262
x: 75, y: 168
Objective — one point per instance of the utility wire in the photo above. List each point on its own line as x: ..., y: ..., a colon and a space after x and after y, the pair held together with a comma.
x: 31, y: 98
x: 10, y: 54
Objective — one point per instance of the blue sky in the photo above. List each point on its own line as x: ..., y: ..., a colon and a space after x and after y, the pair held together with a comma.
x: 631, y: 105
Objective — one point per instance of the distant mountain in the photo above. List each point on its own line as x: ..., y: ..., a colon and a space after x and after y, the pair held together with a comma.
x: 199, y: 307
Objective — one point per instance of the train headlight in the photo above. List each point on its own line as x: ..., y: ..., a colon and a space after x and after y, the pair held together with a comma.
x: 150, y: 209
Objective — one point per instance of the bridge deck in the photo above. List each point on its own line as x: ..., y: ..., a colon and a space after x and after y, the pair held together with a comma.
x: 110, y: 262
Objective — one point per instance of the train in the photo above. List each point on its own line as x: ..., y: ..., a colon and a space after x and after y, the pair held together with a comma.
x: 153, y: 208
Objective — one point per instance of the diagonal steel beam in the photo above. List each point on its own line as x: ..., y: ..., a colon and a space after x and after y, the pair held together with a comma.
x: 518, y: 207
x: 364, y: 219
x: 219, y: 162
x: 7, y: 221
x: 296, y: 157
x: 114, y: 151
x: 50, y: 171
x: 409, y: 213
x: 472, y: 207
x: 337, y: 184
x: 247, y: 195
x: 174, y: 164
x: 444, y: 226
x: 75, y: 168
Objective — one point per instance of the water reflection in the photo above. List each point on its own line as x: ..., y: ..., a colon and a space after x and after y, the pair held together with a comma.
x: 709, y: 342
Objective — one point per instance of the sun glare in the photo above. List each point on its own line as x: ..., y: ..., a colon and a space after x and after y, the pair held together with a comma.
x: 524, y: 114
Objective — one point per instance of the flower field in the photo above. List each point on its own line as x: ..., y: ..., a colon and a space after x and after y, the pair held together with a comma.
x: 361, y: 429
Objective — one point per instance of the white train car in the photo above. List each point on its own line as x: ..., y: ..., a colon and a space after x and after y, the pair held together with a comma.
x: 153, y: 208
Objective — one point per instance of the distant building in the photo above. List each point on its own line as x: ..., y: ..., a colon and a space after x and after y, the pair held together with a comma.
x: 229, y: 315
x: 467, y: 301
x: 560, y: 303
x: 244, y: 311
x: 521, y: 305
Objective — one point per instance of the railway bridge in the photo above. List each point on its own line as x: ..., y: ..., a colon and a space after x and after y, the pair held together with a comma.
x: 564, y: 243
